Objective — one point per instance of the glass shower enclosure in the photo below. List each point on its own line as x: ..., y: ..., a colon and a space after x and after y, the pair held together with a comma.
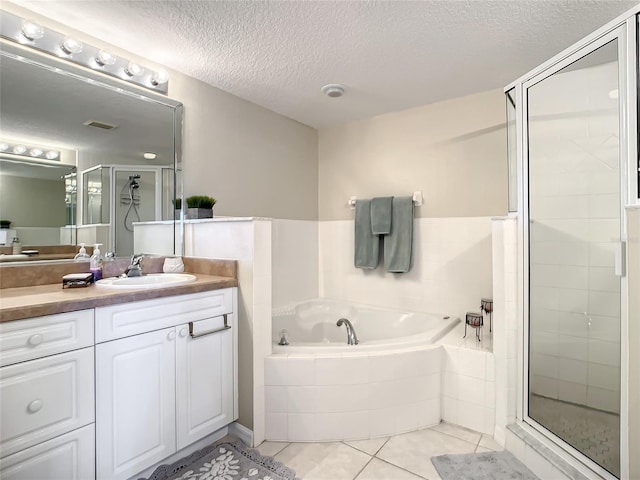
x: 570, y: 126
x: 117, y: 196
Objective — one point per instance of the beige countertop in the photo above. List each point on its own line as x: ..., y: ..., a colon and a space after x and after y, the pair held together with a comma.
x: 34, y: 301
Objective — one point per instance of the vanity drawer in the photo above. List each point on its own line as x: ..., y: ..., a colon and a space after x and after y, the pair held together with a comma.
x: 68, y: 457
x: 126, y: 319
x: 44, y: 398
x: 37, y: 337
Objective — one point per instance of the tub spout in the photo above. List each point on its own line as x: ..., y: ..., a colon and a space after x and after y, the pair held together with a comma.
x: 352, y: 338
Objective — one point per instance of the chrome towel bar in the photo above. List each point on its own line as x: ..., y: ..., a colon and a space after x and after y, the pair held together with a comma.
x: 209, y: 332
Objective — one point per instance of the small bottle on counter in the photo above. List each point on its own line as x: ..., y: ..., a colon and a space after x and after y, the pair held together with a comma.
x: 95, y: 263
x: 82, y: 255
x: 16, y: 246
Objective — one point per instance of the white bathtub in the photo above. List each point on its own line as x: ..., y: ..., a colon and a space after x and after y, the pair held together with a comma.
x: 321, y: 389
x: 311, y: 325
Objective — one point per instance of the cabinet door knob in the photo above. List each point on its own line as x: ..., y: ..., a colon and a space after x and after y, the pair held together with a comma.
x: 35, y: 339
x: 184, y: 332
x: 171, y: 335
x: 34, y: 406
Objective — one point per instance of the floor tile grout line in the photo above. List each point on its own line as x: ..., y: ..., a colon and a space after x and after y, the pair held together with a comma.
x: 365, y: 466
x: 399, y: 467
x: 381, y: 447
x: 274, y: 454
x: 455, y: 436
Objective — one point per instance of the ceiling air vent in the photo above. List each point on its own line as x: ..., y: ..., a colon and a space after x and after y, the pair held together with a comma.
x: 102, y: 125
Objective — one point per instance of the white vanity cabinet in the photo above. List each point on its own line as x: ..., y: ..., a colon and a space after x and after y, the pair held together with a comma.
x: 47, y: 397
x: 165, y: 377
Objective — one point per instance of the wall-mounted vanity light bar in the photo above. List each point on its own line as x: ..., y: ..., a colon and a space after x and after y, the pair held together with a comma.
x: 24, y: 150
x: 32, y: 34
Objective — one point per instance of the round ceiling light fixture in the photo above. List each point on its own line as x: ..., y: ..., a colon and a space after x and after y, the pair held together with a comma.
x: 333, y: 90
x: 149, y: 155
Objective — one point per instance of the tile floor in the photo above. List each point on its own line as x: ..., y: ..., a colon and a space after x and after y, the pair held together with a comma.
x: 401, y: 457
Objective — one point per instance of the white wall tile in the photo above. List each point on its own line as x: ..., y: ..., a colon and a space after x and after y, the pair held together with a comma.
x: 382, y: 422
x: 356, y: 425
x: 605, y: 353
x: 302, y: 427
x: 302, y: 399
x: 329, y: 427
x: 471, y: 415
x: 276, y: 370
x: 429, y: 412
x: 471, y: 390
x: 472, y: 363
x: 275, y: 399
x: 301, y: 371
x: 449, y: 409
x: 276, y: 427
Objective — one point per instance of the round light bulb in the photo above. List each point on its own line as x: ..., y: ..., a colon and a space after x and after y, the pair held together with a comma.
x: 32, y: 30
x: 4, y: 147
x: 70, y: 45
x: 19, y: 149
x: 160, y: 77
x: 52, y: 154
x: 105, y: 57
x: 35, y: 152
x: 134, y: 70
x: 149, y: 155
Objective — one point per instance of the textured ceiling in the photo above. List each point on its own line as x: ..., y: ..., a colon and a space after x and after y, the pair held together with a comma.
x: 390, y: 55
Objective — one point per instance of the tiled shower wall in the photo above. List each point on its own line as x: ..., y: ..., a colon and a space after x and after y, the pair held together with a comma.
x: 575, y: 294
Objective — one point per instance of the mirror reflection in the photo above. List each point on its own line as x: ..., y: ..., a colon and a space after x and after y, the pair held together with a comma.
x: 115, y: 168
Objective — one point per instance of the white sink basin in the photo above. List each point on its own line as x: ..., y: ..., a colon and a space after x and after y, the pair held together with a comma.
x: 153, y: 280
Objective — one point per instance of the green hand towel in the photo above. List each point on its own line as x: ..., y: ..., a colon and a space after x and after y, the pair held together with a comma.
x: 366, y: 245
x: 381, y: 215
x: 398, y: 244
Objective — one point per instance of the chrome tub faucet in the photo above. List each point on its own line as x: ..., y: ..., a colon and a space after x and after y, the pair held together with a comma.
x: 352, y: 338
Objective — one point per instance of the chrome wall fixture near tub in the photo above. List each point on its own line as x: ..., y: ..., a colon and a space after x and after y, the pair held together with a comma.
x: 321, y: 389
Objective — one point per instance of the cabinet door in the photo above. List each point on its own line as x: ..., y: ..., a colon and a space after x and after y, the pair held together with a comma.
x: 135, y: 403
x: 204, y: 379
x: 68, y: 457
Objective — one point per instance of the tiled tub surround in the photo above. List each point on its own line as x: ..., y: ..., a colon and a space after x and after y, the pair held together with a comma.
x: 325, y: 397
x: 451, y: 267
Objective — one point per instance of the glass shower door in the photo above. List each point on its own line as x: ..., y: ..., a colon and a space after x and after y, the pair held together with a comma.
x: 574, y: 229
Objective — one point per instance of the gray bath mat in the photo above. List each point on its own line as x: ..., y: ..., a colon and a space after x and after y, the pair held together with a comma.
x: 224, y: 461
x: 482, y: 466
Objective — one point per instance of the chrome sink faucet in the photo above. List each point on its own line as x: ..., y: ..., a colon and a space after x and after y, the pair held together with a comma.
x: 135, y: 268
x: 352, y: 338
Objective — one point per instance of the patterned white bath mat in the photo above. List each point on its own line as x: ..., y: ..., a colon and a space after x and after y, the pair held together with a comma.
x: 224, y: 461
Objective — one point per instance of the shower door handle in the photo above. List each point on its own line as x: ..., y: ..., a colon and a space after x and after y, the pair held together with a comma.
x: 620, y: 258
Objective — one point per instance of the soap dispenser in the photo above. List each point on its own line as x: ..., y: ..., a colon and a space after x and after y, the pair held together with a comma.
x: 82, y: 255
x: 95, y: 263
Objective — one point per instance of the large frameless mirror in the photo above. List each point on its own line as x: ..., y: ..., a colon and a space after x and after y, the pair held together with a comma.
x: 117, y: 163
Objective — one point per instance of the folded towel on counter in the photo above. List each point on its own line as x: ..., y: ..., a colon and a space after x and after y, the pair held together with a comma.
x: 366, y: 245
x: 381, y: 215
x: 398, y: 244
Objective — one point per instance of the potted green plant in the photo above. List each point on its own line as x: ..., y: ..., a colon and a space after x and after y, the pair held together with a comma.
x: 199, y: 206
x: 4, y: 224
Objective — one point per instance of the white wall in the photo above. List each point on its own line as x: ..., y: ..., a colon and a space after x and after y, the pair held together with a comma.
x: 575, y: 212
x: 453, y: 151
